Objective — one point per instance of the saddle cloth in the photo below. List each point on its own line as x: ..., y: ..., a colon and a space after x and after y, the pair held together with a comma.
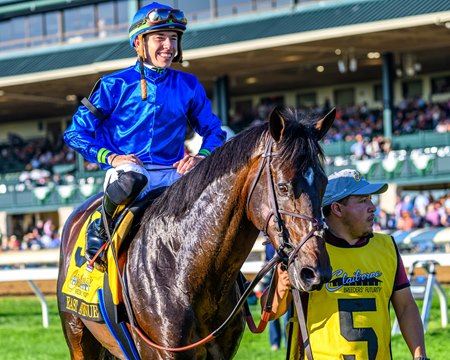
x: 82, y: 283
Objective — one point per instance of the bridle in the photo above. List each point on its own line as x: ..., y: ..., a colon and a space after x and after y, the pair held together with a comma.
x: 286, y: 250
x: 286, y: 253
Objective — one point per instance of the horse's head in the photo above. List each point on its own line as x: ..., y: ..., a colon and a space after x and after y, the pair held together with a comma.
x: 286, y: 192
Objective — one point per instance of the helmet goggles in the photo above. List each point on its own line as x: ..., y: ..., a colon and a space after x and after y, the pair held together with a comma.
x: 162, y: 16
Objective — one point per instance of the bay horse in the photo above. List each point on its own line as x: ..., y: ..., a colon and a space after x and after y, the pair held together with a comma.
x: 185, y: 256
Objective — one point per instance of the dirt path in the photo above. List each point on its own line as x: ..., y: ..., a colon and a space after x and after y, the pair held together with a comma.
x: 16, y: 288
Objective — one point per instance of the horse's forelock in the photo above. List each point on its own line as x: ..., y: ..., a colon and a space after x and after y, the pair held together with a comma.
x: 299, y: 145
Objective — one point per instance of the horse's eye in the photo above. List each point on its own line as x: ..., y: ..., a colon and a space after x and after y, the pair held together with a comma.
x: 283, y: 189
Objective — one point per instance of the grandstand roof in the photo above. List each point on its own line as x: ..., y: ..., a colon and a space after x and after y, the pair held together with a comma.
x: 280, y: 48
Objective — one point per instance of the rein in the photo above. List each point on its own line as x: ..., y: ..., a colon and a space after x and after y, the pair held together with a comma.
x: 280, y: 256
x: 262, y: 325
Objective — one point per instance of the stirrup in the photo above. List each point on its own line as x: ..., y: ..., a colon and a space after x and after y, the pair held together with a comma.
x: 98, y: 264
x: 98, y: 261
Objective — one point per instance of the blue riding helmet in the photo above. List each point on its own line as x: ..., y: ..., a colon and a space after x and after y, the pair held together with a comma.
x: 155, y: 17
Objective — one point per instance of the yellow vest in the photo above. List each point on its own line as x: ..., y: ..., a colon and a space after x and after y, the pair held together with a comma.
x: 349, y: 317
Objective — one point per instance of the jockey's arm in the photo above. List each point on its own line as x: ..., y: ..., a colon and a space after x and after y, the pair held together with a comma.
x: 282, y: 297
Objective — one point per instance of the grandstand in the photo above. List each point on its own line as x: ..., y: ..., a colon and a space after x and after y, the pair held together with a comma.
x: 383, y: 63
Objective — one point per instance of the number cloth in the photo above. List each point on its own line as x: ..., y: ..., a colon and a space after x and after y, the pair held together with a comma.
x: 349, y: 317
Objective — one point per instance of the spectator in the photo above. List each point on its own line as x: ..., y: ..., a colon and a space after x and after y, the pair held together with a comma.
x: 406, y: 221
x: 433, y: 216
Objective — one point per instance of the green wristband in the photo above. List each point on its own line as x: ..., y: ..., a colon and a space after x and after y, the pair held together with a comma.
x: 204, y: 152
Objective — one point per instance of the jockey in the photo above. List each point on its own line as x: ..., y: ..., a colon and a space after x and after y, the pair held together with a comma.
x: 134, y: 122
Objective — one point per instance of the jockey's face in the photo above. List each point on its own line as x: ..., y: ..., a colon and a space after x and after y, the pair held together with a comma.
x: 160, y: 48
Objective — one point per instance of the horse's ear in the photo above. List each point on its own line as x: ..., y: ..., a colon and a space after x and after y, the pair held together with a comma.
x: 324, y: 124
x: 276, y: 124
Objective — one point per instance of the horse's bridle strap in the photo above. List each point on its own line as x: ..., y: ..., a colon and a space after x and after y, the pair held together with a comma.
x: 284, y: 243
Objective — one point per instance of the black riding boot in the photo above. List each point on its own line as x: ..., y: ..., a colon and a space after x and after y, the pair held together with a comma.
x: 96, y: 234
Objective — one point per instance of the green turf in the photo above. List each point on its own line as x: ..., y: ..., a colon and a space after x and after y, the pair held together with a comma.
x: 22, y: 336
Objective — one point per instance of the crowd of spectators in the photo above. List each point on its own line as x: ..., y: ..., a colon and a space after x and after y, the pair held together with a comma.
x: 416, y: 212
x: 42, y: 235
x: 410, y: 116
x: 354, y: 123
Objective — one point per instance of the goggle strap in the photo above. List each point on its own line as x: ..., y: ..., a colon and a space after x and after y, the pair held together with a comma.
x: 141, y: 57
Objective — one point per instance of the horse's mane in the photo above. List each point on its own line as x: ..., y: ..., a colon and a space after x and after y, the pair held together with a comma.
x: 298, y: 146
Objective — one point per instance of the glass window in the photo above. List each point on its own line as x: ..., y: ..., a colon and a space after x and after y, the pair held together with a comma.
x: 307, y: 101
x: 79, y: 23
x: 412, y: 88
x: 5, y: 35
x: 233, y: 7
x: 18, y: 32
x: 378, y: 92
x: 265, y: 4
x: 195, y: 10
x: 440, y: 85
x: 106, y: 19
x: 123, y: 18
x: 344, y: 97
x: 52, y: 27
x: 35, y: 30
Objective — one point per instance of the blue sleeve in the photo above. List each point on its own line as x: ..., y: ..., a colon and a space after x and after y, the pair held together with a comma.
x: 204, y: 121
x: 80, y: 135
x: 270, y: 252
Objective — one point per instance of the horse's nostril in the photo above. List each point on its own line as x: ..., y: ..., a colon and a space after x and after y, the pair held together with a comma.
x: 308, y: 276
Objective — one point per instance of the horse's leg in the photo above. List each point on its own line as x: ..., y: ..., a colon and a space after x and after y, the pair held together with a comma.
x: 82, y: 344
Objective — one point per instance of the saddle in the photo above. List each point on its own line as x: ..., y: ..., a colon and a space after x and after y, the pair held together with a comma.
x: 82, y: 284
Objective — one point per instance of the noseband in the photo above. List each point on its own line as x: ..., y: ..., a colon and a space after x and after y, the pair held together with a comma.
x: 286, y: 250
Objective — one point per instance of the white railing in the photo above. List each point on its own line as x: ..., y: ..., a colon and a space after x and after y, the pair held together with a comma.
x: 30, y: 266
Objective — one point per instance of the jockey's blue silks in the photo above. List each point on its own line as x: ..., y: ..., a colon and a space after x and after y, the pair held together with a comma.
x: 159, y: 124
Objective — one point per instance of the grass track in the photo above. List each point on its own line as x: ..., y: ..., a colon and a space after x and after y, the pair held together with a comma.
x: 22, y: 336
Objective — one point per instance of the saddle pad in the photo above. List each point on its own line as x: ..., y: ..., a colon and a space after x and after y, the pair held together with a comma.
x: 82, y: 283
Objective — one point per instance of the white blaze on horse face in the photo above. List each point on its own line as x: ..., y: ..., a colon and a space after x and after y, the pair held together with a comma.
x: 309, y: 176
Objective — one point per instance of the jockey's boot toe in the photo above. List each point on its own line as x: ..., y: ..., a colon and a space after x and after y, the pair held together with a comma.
x: 95, y: 238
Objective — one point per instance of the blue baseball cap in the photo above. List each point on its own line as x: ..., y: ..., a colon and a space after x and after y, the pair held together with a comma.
x: 349, y: 182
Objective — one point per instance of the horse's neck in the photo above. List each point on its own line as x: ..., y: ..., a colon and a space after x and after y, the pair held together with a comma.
x: 214, y: 235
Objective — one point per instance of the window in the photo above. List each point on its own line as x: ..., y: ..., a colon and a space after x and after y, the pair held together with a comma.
x: 233, y: 7
x: 17, y: 33
x: 195, y: 10
x: 344, y: 97
x: 52, y: 27
x: 412, y: 88
x: 378, y: 92
x: 35, y: 30
x: 79, y: 23
x: 106, y: 19
x: 243, y: 115
x: 5, y: 35
x: 440, y: 85
x: 123, y: 18
x: 306, y: 101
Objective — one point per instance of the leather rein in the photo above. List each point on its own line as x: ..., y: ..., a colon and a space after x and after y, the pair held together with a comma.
x: 281, y: 256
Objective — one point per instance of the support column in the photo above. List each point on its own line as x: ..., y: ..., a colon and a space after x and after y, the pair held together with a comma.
x: 388, y: 93
x: 222, y: 99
